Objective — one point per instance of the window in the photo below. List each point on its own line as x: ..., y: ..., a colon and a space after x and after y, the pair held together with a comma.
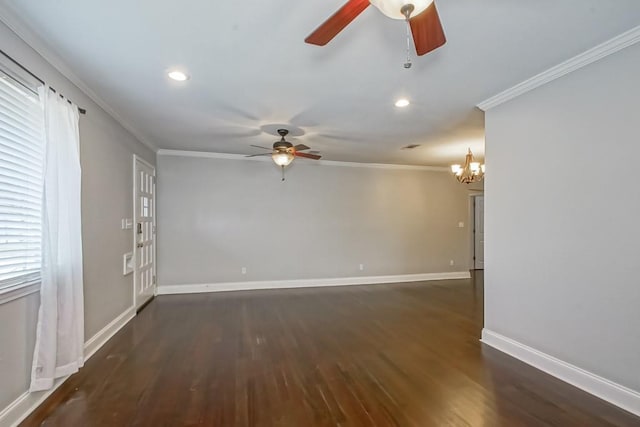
x: 21, y: 175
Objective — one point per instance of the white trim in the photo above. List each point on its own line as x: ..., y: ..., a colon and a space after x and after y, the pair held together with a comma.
x: 307, y: 283
x: 134, y: 196
x: 614, y: 393
x: 603, y: 50
x: 101, y: 337
x: 226, y: 156
x: 14, y: 292
x: 144, y: 162
x: 26, y: 403
x: 17, y: 25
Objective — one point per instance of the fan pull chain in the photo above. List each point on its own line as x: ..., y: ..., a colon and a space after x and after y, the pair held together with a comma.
x: 408, y: 63
x: 282, y: 172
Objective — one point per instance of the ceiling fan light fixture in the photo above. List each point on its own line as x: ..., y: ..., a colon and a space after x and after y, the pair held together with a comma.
x: 282, y: 158
x: 393, y: 8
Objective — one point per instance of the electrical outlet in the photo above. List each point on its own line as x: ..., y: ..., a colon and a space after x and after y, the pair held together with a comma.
x: 461, y: 224
x: 244, y: 270
x: 451, y: 262
x: 361, y: 267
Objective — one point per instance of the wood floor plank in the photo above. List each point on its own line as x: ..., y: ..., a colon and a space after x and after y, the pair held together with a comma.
x: 381, y: 355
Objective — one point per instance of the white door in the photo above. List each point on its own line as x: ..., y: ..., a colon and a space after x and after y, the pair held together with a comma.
x: 479, y: 233
x: 144, y: 232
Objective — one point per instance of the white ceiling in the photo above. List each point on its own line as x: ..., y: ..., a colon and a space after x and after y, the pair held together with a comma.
x: 251, y: 69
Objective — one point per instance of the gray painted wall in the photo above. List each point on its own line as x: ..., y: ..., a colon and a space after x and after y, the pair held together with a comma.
x: 106, y: 156
x: 561, y: 218
x: 216, y: 216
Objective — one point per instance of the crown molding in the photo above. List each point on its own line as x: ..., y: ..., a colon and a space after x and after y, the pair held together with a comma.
x: 226, y: 156
x: 592, y: 55
x: 17, y: 25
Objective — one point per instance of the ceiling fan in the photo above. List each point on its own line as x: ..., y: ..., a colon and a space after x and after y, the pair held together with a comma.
x: 421, y: 17
x: 284, y: 152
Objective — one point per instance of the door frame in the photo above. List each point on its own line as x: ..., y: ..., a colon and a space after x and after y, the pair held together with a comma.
x: 137, y: 159
x: 472, y: 227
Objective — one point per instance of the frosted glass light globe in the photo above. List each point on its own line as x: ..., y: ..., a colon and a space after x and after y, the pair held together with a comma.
x: 391, y: 8
x: 282, y: 158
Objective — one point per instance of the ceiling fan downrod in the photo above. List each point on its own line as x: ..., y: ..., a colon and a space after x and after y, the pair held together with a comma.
x: 407, y: 10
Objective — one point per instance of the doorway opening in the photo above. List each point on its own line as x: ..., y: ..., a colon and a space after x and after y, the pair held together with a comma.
x: 478, y: 232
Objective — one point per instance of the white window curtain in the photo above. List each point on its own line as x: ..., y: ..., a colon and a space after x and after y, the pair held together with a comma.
x: 59, y: 349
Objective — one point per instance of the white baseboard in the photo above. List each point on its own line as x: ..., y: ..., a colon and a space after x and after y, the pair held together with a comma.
x: 307, y: 283
x: 614, y: 393
x: 99, y: 339
x: 24, y: 405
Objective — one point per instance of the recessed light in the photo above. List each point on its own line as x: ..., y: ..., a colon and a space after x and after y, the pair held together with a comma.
x: 402, y: 102
x: 178, y: 76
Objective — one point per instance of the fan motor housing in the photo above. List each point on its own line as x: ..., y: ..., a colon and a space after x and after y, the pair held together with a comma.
x: 282, y: 145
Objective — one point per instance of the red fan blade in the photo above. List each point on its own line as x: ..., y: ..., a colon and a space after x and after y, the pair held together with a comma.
x: 332, y: 26
x: 307, y: 155
x: 301, y: 147
x: 427, y: 30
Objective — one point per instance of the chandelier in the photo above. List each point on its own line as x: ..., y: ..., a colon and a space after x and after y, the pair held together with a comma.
x: 471, y: 171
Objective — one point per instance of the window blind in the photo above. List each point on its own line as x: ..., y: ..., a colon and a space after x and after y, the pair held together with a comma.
x: 21, y: 175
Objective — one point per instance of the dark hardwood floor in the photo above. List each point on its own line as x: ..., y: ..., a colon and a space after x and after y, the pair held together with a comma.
x: 381, y: 355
